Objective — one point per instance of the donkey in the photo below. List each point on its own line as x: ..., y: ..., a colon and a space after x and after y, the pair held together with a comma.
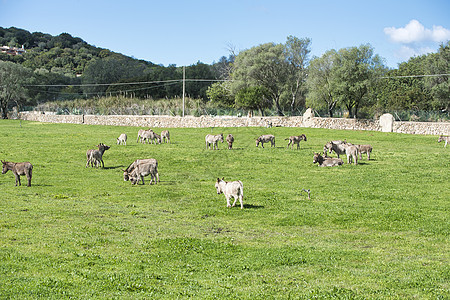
x: 137, y: 162
x: 21, y: 168
x: 122, y: 139
x: 364, y: 149
x: 327, y: 161
x: 142, y: 170
x: 343, y: 148
x: 230, y: 141
x: 165, y: 136
x: 328, y: 146
x: 143, y: 135
x: 445, y: 139
x: 265, y: 139
x: 156, y: 138
x: 295, y: 140
x: 231, y: 189
x: 213, y: 140
x: 96, y: 156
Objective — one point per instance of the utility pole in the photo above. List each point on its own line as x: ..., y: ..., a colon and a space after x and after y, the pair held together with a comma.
x: 184, y: 85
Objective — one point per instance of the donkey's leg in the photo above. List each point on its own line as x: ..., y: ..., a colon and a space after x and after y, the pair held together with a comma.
x: 17, y: 179
x: 235, y: 199
x: 241, y: 200
x: 29, y: 178
x: 228, y: 200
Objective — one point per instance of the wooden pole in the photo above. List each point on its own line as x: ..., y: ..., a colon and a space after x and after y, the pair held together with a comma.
x: 184, y: 86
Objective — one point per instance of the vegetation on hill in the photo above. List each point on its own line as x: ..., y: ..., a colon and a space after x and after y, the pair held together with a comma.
x: 270, y: 78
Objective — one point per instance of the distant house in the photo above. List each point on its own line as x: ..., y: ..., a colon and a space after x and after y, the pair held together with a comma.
x: 12, y: 50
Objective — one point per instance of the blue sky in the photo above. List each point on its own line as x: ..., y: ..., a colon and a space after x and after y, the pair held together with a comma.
x: 185, y: 32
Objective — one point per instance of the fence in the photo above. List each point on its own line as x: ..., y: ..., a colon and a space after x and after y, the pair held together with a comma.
x: 430, y: 128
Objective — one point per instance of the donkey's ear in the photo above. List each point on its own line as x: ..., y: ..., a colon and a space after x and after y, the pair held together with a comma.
x: 223, y: 178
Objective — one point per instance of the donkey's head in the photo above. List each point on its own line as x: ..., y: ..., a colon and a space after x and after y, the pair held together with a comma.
x: 219, y: 185
x: 5, y: 167
x: 317, y: 158
x: 102, y: 147
x: 126, y: 175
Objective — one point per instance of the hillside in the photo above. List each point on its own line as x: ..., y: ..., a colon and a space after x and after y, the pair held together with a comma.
x: 62, y: 54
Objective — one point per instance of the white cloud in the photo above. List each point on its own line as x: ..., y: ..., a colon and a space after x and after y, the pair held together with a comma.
x: 414, y: 31
x: 406, y: 52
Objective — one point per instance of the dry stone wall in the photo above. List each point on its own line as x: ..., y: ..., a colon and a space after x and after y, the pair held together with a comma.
x: 430, y: 128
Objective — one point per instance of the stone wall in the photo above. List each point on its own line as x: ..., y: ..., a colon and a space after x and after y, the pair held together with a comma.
x: 431, y: 128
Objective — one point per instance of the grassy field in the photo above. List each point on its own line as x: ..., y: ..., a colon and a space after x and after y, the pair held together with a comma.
x: 378, y: 230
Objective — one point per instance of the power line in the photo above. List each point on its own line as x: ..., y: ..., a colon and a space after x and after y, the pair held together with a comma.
x: 125, y: 83
x: 414, y: 76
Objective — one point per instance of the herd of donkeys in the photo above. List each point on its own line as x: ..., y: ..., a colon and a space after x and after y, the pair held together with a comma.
x: 140, y: 168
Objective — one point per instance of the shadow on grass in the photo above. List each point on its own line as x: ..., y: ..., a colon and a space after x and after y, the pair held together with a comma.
x: 251, y: 206
x: 113, y: 168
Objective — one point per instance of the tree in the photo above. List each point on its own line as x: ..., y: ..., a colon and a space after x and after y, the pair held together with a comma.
x: 354, y: 69
x: 320, y: 83
x: 220, y: 94
x: 13, y: 77
x: 439, y: 86
x: 254, y: 97
x: 297, y: 55
x: 264, y: 65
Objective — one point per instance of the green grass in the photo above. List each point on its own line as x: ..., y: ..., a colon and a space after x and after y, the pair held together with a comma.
x: 376, y: 230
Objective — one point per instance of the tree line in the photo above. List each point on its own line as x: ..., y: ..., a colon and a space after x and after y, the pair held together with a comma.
x: 268, y: 78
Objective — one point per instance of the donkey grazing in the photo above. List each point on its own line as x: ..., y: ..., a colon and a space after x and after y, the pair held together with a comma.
x: 295, y: 140
x: 122, y: 139
x: 444, y: 138
x: 96, y: 156
x: 142, y: 170
x: 327, y: 161
x: 212, y: 140
x: 21, y: 168
x: 231, y: 189
x: 144, y: 135
x: 230, y: 141
x: 165, y: 136
x: 137, y: 162
x: 265, y: 139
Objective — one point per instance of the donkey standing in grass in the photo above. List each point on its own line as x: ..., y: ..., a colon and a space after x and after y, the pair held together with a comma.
x: 21, y: 168
x: 212, y: 140
x: 230, y: 141
x: 165, y: 135
x: 122, y: 139
x: 231, y: 189
x: 142, y: 170
x: 265, y: 139
x: 444, y: 138
x: 95, y: 157
x: 343, y: 148
x: 295, y: 140
x: 127, y: 172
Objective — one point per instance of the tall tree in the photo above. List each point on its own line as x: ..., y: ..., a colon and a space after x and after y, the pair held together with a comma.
x: 439, y: 86
x: 355, y: 69
x: 264, y: 65
x: 13, y: 77
x: 320, y: 82
x: 297, y: 55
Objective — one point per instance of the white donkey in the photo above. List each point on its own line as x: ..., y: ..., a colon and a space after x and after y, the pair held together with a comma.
x: 229, y: 189
x: 212, y: 140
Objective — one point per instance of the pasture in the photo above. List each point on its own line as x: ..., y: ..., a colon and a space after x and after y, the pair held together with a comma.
x: 377, y: 230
